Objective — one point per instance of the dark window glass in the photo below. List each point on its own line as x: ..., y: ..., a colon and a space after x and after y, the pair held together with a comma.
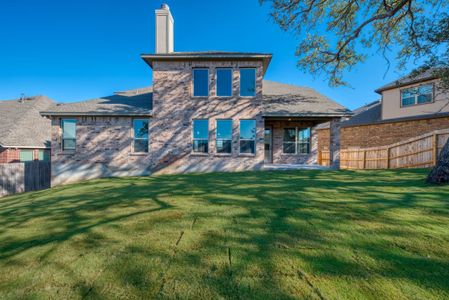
x: 68, y: 134
x: 224, y: 82
x: 289, y: 143
x: 201, y: 136
x: 140, y: 135
x: 200, y: 82
x: 247, y: 82
x: 248, y: 136
x: 224, y: 136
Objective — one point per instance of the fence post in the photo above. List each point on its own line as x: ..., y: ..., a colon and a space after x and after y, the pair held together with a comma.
x: 388, y: 157
x: 435, y: 149
x: 364, y: 159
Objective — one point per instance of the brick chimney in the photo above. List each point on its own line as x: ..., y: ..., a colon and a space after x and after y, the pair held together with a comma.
x: 164, y: 30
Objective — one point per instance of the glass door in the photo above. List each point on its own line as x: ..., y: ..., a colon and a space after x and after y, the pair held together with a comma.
x: 268, y: 140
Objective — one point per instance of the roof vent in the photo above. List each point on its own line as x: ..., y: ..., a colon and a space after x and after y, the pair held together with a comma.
x: 165, y: 6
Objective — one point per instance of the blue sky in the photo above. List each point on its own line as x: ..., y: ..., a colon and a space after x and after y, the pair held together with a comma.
x: 74, y: 50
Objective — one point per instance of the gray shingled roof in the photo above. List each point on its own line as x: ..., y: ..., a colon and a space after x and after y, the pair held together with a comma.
x: 410, y: 79
x: 283, y: 100
x: 136, y: 102
x: 367, y: 114
x: 278, y: 100
x: 21, y: 125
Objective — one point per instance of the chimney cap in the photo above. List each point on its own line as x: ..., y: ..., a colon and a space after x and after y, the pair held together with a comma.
x: 165, y: 6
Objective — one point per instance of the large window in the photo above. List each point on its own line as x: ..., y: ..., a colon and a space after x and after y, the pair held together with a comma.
x: 26, y: 155
x: 140, y: 135
x: 248, y: 136
x: 68, y: 134
x: 200, y: 82
x: 417, y: 95
x: 201, y: 136
x: 247, y: 82
x: 224, y: 136
x: 296, y: 141
x: 224, y: 82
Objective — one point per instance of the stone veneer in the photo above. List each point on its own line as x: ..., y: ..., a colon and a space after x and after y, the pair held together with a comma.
x: 383, y: 134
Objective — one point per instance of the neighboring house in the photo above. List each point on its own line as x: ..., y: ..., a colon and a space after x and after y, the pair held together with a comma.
x: 24, y: 133
x: 206, y: 111
x: 409, y: 107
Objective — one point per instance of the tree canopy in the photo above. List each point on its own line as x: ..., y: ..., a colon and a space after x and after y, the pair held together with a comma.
x: 337, y: 35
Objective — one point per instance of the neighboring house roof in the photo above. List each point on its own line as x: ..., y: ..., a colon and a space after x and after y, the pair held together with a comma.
x: 371, y: 114
x: 21, y: 125
x: 279, y: 100
x: 136, y: 102
x: 285, y: 100
x: 208, y: 55
x: 411, y: 78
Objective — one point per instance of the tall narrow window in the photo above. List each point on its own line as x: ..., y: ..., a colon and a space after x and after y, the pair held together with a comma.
x: 248, y: 136
x: 303, y: 140
x: 200, y: 82
x: 201, y: 136
x: 224, y: 82
x: 140, y: 135
x: 417, y: 95
x: 247, y: 82
x: 68, y: 134
x: 289, y: 144
x: 26, y: 155
x: 224, y: 136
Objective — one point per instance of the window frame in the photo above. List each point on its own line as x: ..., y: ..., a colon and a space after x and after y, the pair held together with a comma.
x: 401, y: 91
x: 200, y: 139
x: 255, y: 82
x: 193, y: 82
x: 62, y: 135
x: 297, y: 141
x: 46, y: 155
x: 223, y: 139
x: 141, y: 139
x: 216, y: 82
x: 240, y: 137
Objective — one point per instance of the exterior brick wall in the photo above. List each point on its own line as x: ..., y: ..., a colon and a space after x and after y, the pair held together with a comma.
x: 175, y: 108
x: 388, y: 133
x: 324, y: 139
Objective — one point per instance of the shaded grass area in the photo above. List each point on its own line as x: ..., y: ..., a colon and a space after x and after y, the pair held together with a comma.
x: 282, y: 235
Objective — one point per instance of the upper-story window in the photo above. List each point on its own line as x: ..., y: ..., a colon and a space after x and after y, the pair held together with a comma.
x: 417, y: 95
x: 68, y: 134
x: 224, y: 82
x: 200, y: 82
x: 140, y: 135
x: 247, y: 82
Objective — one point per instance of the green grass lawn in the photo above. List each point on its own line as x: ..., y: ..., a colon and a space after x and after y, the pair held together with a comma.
x: 283, y: 235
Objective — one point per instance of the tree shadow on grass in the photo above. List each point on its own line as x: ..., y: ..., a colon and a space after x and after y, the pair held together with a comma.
x: 245, y: 235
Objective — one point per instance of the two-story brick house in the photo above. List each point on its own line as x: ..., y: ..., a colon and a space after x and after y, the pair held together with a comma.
x: 206, y: 111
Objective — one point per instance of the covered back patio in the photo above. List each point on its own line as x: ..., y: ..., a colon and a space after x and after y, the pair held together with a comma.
x: 293, y: 117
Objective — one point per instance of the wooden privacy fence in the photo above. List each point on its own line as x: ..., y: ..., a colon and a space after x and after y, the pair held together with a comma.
x: 24, y: 177
x: 418, y: 152
x: 324, y: 157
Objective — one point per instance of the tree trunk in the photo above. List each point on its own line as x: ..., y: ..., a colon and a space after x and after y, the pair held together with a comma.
x: 440, y: 173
